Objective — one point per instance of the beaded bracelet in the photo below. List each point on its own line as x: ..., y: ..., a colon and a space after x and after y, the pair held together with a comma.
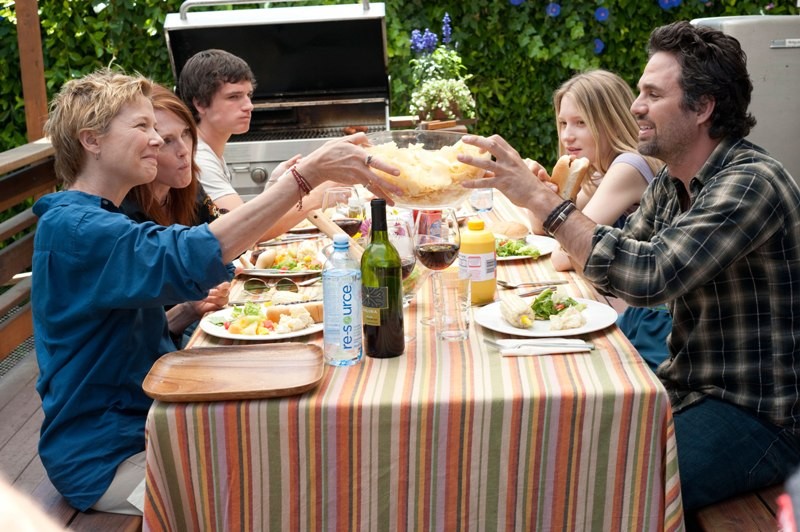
x: 557, y: 217
x: 305, y: 188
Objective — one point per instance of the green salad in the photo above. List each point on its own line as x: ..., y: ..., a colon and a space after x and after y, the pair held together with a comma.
x: 551, y: 302
x: 506, y: 247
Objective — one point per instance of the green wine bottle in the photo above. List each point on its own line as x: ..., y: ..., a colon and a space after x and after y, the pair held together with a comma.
x: 382, y: 290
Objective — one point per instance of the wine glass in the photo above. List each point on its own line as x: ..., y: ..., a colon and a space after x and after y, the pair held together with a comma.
x: 401, y: 237
x: 436, y: 242
x: 344, y: 208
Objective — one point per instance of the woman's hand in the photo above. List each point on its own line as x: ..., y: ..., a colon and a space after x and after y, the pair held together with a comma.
x: 216, y: 299
x: 346, y: 162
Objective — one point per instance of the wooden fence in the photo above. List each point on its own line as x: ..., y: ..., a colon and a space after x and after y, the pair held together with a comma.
x: 26, y: 173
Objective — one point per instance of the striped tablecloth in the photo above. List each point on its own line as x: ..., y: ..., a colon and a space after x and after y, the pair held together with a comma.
x: 446, y: 437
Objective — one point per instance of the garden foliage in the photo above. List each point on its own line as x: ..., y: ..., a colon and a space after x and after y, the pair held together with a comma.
x: 517, y: 51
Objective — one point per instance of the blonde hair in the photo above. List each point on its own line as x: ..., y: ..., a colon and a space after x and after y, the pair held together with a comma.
x: 87, y: 103
x: 604, y: 100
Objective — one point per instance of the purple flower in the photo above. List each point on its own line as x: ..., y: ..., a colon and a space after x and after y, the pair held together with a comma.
x: 601, y: 14
x: 416, y: 42
x: 429, y: 41
x: 769, y: 6
x: 553, y: 9
x: 516, y: 2
x: 447, y: 31
x: 599, y: 46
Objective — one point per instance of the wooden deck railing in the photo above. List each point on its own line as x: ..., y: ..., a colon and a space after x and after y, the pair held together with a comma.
x: 26, y: 173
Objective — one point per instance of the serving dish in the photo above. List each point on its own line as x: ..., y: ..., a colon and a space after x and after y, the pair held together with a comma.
x: 235, y: 372
x: 431, y: 175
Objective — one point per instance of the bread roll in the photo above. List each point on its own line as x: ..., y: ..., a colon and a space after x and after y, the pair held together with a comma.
x: 512, y: 230
x: 313, y: 307
x: 266, y: 258
x: 568, y: 173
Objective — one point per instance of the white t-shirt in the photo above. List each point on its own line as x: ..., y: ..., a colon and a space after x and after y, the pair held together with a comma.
x: 214, y: 174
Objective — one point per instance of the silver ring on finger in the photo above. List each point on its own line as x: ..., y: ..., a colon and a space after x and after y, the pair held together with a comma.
x: 368, y: 160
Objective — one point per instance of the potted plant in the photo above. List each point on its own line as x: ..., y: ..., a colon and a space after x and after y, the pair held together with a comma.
x: 439, y: 76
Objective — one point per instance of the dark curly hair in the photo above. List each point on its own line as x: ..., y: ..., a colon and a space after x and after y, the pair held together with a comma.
x: 205, y: 72
x: 712, y: 65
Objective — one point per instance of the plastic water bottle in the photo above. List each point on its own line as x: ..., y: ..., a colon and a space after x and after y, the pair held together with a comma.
x: 341, y: 296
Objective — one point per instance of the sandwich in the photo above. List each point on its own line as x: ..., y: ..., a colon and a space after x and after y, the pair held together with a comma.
x: 568, y: 173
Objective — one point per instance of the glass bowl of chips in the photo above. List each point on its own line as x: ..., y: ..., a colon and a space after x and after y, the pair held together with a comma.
x: 430, y: 172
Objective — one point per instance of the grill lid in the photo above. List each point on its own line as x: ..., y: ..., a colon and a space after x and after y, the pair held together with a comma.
x: 297, y: 53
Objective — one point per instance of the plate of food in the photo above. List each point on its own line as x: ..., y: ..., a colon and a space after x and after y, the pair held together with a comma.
x: 566, y: 316
x: 532, y: 247
x: 544, y: 244
x: 260, y: 321
x: 294, y: 259
x: 507, y: 249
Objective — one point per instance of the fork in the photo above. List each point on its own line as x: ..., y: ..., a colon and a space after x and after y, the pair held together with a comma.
x: 537, y: 290
x: 506, y: 284
x: 578, y: 344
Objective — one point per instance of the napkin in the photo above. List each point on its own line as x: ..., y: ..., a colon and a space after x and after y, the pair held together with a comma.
x: 550, y: 346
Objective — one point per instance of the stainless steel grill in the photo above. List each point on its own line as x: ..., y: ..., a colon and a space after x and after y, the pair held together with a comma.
x: 298, y: 134
x: 320, y: 70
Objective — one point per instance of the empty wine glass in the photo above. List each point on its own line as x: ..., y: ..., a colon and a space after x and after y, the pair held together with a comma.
x: 401, y: 236
x: 344, y: 207
x: 436, y: 242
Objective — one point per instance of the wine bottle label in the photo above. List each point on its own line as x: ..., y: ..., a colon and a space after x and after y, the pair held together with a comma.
x: 374, y: 299
x: 480, y: 266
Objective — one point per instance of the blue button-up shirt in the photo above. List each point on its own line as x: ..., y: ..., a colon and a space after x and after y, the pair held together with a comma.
x: 100, y: 283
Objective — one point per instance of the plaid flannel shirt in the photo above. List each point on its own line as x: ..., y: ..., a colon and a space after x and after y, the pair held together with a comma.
x: 728, y: 268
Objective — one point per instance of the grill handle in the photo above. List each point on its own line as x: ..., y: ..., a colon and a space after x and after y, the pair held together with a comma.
x: 188, y: 4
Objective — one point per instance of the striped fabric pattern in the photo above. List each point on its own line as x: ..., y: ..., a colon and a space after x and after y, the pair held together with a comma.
x: 449, y: 436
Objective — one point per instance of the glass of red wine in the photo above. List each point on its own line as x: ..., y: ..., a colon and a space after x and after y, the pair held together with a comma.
x: 436, y: 242
x: 344, y: 208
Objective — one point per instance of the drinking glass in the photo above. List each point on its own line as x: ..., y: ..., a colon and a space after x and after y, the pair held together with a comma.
x: 344, y: 208
x: 481, y: 199
x: 401, y: 236
x: 436, y: 243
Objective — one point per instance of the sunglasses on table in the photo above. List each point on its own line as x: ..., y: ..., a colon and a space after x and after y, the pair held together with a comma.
x: 256, y: 287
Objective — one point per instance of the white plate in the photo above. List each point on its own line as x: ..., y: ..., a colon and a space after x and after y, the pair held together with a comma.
x: 277, y: 275
x: 517, y: 257
x: 544, y: 244
x: 221, y: 332
x: 598, y: 316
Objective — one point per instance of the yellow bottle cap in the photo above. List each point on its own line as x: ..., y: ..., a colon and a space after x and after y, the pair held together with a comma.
x: 475, y: 224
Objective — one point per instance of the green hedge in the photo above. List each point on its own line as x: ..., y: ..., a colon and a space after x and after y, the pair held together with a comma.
x: 518, y: 54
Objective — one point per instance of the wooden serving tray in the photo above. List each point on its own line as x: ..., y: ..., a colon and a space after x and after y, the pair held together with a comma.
x: 235, y: 372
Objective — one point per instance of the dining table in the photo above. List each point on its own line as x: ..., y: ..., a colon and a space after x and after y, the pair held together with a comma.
x: 447, y: 436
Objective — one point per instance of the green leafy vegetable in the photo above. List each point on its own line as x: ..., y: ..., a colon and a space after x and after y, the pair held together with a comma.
x: 550, y: 302
x: 515, y: 248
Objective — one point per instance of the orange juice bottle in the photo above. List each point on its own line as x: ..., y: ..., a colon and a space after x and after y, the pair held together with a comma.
x: 477, y: 256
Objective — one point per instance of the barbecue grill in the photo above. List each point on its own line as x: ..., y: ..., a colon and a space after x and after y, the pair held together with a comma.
x: 321, y: 73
